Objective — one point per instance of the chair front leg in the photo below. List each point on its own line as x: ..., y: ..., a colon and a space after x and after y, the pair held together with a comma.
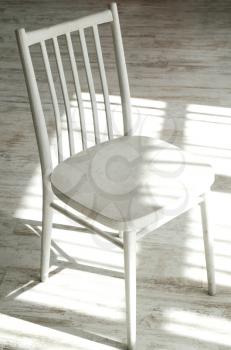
x: 130, y: 286
x: 47, y: 217
x: 208, y: 245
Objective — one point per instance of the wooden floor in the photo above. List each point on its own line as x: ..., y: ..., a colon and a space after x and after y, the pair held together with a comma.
x: 179, y: 64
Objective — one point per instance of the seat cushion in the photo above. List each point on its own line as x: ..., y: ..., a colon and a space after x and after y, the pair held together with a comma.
x: 131, y: 182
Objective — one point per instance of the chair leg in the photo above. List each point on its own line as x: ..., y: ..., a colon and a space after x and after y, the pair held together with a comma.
x: 208, y: 245
x: 46, y: 235
x: 130, y: 286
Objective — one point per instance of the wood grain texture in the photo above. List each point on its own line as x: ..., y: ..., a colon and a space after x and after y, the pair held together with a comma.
x: 178, y: 53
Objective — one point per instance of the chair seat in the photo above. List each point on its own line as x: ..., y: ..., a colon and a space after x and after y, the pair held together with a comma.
x: 131, y: 182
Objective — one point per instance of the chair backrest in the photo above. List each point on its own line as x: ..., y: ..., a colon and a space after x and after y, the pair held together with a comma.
x: 27, y: 39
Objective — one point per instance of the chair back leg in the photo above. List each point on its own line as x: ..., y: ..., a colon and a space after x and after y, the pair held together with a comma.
x: 130, y: 286
x: 208, y: 245
x: 47, y: 217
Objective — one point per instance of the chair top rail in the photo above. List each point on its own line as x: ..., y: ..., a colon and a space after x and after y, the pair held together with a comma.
x: 36, y: 36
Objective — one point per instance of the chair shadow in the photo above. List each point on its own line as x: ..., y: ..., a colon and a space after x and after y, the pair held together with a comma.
x: 31, y: 227
x: 93, y: 337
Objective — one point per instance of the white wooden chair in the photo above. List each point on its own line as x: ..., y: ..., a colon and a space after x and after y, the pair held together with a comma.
x: 131, y: 184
